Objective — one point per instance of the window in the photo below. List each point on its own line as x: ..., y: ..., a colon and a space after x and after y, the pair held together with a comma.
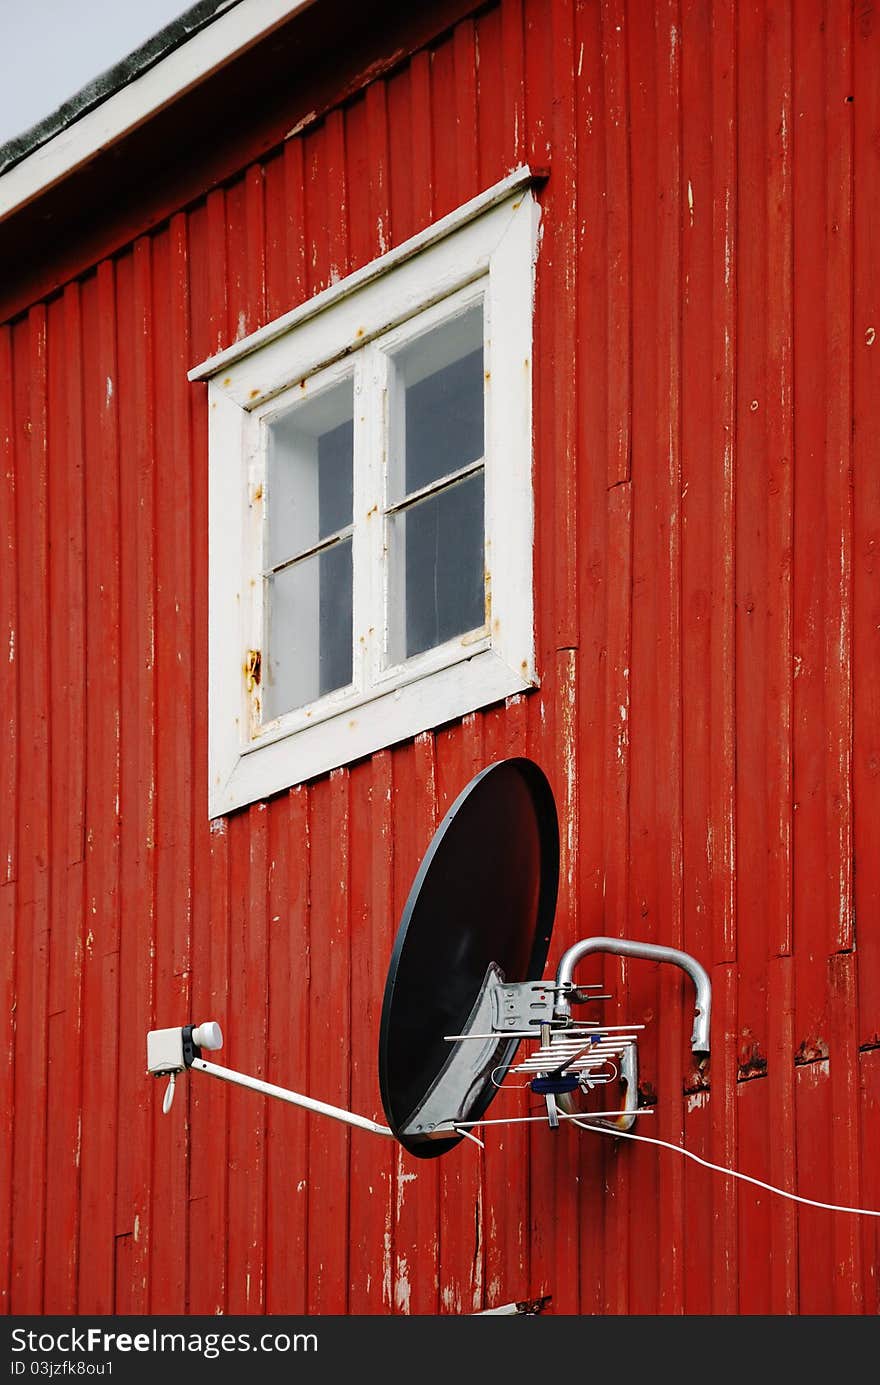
x: 370, y: 478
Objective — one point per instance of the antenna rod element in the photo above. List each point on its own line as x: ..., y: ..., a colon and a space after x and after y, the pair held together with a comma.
x: 623, y: 947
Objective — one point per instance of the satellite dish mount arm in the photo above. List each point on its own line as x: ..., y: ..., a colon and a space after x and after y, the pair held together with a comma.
x: 624, y: 947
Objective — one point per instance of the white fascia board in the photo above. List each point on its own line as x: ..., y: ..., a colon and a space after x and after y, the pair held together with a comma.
x: 206, y: 52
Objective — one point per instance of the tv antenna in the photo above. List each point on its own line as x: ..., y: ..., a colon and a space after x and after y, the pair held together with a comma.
x: 466, y: 1014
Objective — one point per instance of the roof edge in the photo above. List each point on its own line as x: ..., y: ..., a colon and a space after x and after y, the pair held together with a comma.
x: 113, y: 79
x: 201, y: 41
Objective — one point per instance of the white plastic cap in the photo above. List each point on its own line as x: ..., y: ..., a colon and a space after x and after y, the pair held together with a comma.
x: 208, y: 1035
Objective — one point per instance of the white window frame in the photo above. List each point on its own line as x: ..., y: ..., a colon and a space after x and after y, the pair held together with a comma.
x: 488, y: 248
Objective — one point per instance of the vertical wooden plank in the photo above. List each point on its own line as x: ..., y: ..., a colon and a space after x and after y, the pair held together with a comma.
x: 255, y: 235
x: 297, y: 217
x: 669, y: 672
x: 847, y: 1284
x: 697, y: 490
x: 173, y: 732
x: 814, y: 929
x: 9, y: 606
x: 753, y: 1119
x: 9, y: 714
x: 465, y: 62
x: 752, y: 558
x: 462, y: 1249
x: 416, y: 1221
x: 547, y: 49
x: 724, y: 1143
x: 560, y: 249
x: 509, y: 1271
x: 287, y: 1189
x: 421, y: 136
x: 645, y: 846
x: 372, y: 931
x: 361, y: 229
x: 101, y: 902
x: 138, y: 776
x: 513, y: 48
x: 782, y: 1163
x: 67, y: 733
x: 722, y: 840
x: 759, y: 614
x: 838, y: 369
x: 383, y: 931
x: 602, y: 564
x: 400, y: 150
x: 698, y: 607
x: 866, y: 514
x: 378, y: 160
x: 813, y: 1097
x: 335, y: 177
x: 441, y: 95
x: 554, y: 1197
x: 721, y: 829
x: 282, y: 891
x: 779, y: 118
x: 277, y: 212
x: 239, y: 308
x: 217, y: 252
x: 491, y: 112
x: 698, y: 1205
x: 779, y: 438
x: 869, y: 1094
x: 330, y: 1048
x: 32, y: 897
x: 7, y: 1087
x: 248, y: 1048
x: 208, y: 1101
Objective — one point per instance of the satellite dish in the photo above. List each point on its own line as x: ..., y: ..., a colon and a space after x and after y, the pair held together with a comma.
x: 464, y: 986
x: 479, y: 915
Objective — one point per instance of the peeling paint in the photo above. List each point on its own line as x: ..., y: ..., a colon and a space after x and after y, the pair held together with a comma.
x: 402, y: 1290
x: 402, y: 1180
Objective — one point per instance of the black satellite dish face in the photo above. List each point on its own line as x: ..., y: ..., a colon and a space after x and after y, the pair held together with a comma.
x: 481, y: 909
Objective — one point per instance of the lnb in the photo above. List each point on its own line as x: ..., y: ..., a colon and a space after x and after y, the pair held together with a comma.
x: 172, y: 1050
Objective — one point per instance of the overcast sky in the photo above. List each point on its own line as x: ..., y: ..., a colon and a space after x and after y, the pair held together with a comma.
x: 51, y: 48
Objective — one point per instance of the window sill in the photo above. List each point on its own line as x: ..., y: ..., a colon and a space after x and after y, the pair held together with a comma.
x: 355, y: 732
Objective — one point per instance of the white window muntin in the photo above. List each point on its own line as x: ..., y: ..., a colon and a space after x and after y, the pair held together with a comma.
x: 500, y: 245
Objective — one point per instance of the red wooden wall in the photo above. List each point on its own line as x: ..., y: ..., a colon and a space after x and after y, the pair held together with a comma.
x: 708, y: 593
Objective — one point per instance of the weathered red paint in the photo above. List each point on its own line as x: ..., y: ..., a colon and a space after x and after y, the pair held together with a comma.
x: 706, y: 564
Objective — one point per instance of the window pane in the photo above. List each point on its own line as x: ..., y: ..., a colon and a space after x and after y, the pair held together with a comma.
x: 309, y: 629
x: 440, y: 403
x: 310, y: 473
x: 436, y: 550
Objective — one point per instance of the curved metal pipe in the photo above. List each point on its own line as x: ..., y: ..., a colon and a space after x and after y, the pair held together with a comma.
x: 651, y: 952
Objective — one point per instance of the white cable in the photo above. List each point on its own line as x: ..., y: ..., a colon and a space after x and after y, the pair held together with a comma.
x: 732, y: 1173
x: 469, y: 1135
